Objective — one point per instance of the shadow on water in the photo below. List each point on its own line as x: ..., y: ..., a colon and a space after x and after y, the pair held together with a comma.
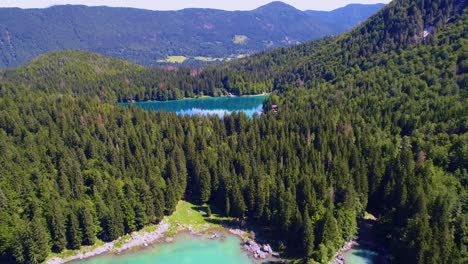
x: 369, y: 250
x: 364, y: 253
x: 261, y: 234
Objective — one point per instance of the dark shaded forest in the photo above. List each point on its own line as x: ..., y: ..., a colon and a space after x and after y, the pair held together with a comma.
x: 375, y: 120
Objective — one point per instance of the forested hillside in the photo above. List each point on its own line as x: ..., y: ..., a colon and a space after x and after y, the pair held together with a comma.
x: 375, y: 120
x: 154, y: 38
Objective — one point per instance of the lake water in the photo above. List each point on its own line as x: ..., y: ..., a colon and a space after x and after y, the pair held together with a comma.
x: 185, y: 249
x: 360, y: 255
x: 209, y: 105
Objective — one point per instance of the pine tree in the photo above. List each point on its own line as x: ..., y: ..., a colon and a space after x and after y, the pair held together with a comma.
x: 205, y: 185
x: 208, y: 211
x: 87, y: 225
x: 36, y: 242
x: 74, y: 232
x: 140, y: 216
x: 170, y: 197
x: 330, y: 233
x: 308, y: 234
x: 58, y: 228
x: 129, y: 217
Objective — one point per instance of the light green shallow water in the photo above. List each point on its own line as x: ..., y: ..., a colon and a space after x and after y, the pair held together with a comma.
x: 360, y: 255
x: 184, y: 250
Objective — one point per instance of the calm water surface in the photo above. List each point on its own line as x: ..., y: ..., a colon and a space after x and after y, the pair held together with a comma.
x: 360, y: 255
x: 185, y: 249
x: 209, y: 106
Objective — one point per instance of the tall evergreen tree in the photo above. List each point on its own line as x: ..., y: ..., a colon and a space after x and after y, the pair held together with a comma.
x: 87, y: 225
x: 57, y: 226
x: 74, y: 232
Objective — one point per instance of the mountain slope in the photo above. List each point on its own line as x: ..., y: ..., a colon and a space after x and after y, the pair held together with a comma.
x: 346, y: 17
x: 392, y: 28
x: 150, y: 37
x: 399, y: 25
x: 85, y: 74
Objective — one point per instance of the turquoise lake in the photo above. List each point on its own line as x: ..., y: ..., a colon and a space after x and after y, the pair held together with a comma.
x: 185, y: 249
x: 360, y: 255
x: 208, y: 106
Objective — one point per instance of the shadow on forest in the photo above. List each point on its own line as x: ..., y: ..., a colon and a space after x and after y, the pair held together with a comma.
x: 215, y: 217
x: 199, y: 208
x: 263, y: 235
x: 223, y: 222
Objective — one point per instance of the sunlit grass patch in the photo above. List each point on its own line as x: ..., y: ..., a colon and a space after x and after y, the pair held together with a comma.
x: 240, y: 39
x: 193, y: 217
x: 174, y: 59
x: 208, y: 59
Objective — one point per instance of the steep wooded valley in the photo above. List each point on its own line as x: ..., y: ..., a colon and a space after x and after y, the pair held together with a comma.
x: 372, y: 120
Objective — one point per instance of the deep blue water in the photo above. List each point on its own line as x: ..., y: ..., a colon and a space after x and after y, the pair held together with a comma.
x: 208, y: 106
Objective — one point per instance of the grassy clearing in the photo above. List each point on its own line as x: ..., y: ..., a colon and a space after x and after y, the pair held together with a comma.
x: 193, y: 217
x: 240, y: 39
x: 369, y: 216
x: 121, y: 241
x: 174, y: 59
x: 208, y: 59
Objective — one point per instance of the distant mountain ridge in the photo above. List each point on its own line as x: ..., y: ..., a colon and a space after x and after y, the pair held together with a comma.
x: 153, y: 38
x: 276, y: 6
x: 348, y: 16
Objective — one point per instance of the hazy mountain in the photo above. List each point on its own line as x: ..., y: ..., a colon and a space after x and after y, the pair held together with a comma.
x: 149, y: 37
x: 347, y: 17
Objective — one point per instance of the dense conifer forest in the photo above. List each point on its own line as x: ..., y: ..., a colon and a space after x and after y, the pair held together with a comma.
x: 375, y: 119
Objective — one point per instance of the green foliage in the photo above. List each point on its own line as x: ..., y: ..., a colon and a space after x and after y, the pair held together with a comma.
x: 57, y: 228
x: 31, y: 243
x: 74, y: 232
x: 308, y: 235
x: 208, y: 211
x: 87, y: 225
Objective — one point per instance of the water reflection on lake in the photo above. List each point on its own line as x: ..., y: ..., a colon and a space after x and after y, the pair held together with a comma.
x: 220, y: 106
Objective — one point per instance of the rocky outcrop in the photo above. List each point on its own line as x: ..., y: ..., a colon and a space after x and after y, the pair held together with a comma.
x: 339, y: 257
x: 254, y: 248
x: 259, y: 251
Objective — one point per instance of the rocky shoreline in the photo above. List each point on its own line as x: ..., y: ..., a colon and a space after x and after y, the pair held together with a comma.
x: 365, y: 238
x: 137, y: 239
x: 143, y: 239
x: 339, y: 257
x: 255, y: 249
